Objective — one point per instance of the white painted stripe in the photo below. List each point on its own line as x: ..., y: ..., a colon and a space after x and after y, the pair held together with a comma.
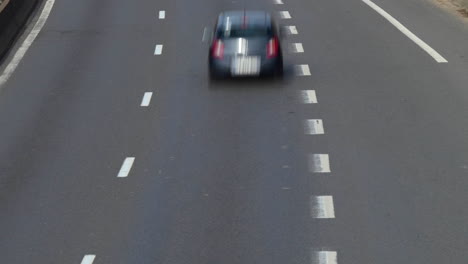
x: 158, y: 49
x: 302, y: 70
x: 297, y: 48
x: 309, y: 97
x: 292, y: 30
x: 278, y: 2
x: 162, y: 14
x: 319, y: 163
x: 146, y: 99
x: 126, y: 167
x: 322, y: 207
x: 313, y: 127
x: 324, y: 257
x: 284, y: 15
x: 88, y: 259
x: 11, y: 67
x: 406, y: 31
x: 205, y: 34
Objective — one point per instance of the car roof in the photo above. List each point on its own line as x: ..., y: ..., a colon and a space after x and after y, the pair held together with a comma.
x: 244, y: 18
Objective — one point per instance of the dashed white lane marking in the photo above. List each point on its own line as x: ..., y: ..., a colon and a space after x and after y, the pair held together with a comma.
x: 297, y: 47
x: 88, y: 259
x: 284, y: 15
x: 126, y: 167
x: 406, y: 31
x: 313, y: 127
x: 309, y: 97
x: 162, y: 14
x: 302, y: 70
x: 324, y: 257
x: 278, y: 2
x: 292, y: 30
x: 322, y: 207
x: 11, y: 67
x: 146, y: 99
x: 319, y: 163
x: 158, y: 49
x: 205, y: 34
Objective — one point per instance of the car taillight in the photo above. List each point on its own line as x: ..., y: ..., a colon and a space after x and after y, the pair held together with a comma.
x: 217, y: 50
x: 272, y: 48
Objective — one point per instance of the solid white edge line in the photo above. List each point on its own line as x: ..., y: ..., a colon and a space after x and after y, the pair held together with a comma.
x: 27, y: 42
x: 285, y: 15
x: 321, y: 207
x: 313, y: 127
x: 146, y: 99
x: 324, y: 257
x: 309, y: 97
x: 158, y: 49
x: 406, y: 31
x: 319, y: 163
x: 88, y: 259
x: 162, y: 14
x: 126, y: 167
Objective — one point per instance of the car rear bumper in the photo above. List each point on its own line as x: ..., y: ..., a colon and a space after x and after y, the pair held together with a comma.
x: 222, y: 68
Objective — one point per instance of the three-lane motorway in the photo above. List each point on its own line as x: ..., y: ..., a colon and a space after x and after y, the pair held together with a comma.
x: 116, y: 148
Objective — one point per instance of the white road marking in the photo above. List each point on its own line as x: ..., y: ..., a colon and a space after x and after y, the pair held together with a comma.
x: 278, y: 2
x: 162, y: 14
x: 126, y: 167
x: 319, y: 163
x: 11, y: 67
x: 406, y: 31
x: 322, y: 207
x: 88, y: 259
x: 297, y: 48
x: 324, y: 257
x: 146, y: 99
x: 284, y: 15
x: 302, y: 70
x: 292, y: 30
x: 158, y: 49
x: 309, y: 97
x: 205, y: 34
x: 313, y: 127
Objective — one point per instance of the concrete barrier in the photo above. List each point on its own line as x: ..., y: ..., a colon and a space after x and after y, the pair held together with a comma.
x: 13, y: 18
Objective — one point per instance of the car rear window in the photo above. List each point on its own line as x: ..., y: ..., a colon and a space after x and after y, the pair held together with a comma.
x: 244, y: 32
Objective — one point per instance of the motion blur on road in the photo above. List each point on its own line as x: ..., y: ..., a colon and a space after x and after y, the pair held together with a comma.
x: 115, y: 146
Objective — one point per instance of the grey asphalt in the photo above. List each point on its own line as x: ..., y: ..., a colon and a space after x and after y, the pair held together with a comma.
x: 220, y: 174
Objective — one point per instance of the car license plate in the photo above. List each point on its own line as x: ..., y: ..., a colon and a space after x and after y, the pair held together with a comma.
x: 245, y: 65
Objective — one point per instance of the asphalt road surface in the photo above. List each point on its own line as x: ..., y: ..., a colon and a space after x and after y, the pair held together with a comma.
x: 364, y: 161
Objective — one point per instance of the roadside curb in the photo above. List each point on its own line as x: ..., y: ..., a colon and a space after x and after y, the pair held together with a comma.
x: 13, y: 17
x: 3, y: 4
